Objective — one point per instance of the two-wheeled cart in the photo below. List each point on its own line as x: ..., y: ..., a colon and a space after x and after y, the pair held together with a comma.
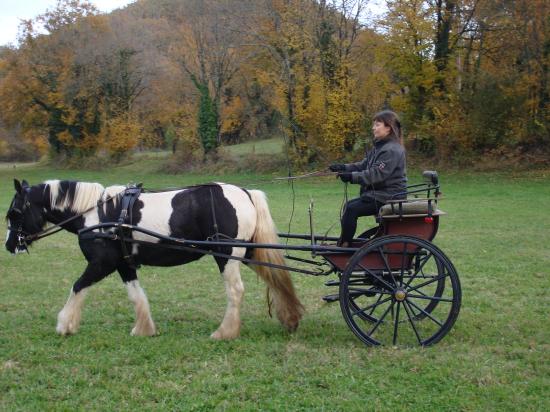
x: 395, y: 287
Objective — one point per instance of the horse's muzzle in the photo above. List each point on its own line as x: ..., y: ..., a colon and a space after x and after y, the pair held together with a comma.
x: 15, y: 243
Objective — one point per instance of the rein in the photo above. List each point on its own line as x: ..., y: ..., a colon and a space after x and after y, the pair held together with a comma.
x: 24, y: 238
x: 318, y: 173
x: 51, y: 230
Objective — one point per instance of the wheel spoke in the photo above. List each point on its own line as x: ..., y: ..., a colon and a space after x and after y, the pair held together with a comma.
x: 365, y: 316
x: 424, y: 312
x: 412, y: 322
x: 381, y: 252
x: 373, y: 306
x: 403, y: 262
x: 370, y: 318
x: 412, y: 311
x: 381, y: 319
x: 395, y: 324
x: 429, y: 298
x: 422, y: 293
x: 385, y: 259
x: 436, y: 279
x: 420, y: 269
x: 391, y: 287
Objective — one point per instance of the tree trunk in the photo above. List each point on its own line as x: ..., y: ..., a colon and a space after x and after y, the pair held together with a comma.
x: 444, y: 12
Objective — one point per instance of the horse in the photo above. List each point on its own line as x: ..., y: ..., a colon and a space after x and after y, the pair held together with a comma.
x: 195, y: 212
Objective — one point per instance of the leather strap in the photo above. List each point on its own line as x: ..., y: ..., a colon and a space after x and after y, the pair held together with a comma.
x: 131, y: 194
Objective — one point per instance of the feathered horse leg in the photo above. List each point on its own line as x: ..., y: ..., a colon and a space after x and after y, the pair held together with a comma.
x: 68, y: 319
x: 231, y: 324
x: 144, y: 323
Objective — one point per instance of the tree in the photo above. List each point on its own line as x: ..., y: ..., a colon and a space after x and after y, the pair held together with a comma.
x: 338, y: 27
x: 37, y: 73
x: 76, y: 76
x: 208, y: 55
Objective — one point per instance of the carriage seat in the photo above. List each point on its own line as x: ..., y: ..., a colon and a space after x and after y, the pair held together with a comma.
x: 411, y: 208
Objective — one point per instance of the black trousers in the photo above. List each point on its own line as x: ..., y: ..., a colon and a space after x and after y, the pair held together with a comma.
x: 363, y: 206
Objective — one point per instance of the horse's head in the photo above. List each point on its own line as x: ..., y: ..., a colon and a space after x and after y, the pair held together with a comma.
x: 25, y: 217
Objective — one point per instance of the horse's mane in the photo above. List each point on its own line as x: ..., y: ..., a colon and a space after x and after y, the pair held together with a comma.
x: 78, y: 196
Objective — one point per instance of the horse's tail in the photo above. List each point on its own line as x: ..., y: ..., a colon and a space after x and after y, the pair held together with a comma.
x: 288, y: 308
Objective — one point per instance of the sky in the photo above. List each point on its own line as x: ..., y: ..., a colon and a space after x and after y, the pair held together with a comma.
x: 11, y: 11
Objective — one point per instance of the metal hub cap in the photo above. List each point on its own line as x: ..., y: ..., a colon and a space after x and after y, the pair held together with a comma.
x: 400, y: 295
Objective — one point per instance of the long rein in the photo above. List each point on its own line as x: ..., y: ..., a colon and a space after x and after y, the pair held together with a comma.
x: 57, y: 227
x: 51, y: 230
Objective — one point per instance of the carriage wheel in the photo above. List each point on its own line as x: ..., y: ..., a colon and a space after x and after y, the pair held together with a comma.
x: 429, y: 304
x: 400, y: 290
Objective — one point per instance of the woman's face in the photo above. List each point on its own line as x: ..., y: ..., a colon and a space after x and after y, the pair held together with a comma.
x: 380, y: 130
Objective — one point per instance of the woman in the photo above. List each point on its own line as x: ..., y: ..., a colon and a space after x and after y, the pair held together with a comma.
x: 381, y: 174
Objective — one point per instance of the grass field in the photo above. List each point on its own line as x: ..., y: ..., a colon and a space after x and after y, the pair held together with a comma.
x: 496, y: 358
x: 265, y: 146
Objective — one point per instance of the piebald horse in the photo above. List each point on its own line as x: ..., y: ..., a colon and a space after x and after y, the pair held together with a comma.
x: 189, y: 213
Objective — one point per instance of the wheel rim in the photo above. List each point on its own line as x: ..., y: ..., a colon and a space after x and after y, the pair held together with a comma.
x: 400, y: 290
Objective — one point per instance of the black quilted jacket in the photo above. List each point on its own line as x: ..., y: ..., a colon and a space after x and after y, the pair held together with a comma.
x: 383, y: 172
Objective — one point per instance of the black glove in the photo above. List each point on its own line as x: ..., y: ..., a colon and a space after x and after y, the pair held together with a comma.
x: 345, y: 177
x: 337, y: 167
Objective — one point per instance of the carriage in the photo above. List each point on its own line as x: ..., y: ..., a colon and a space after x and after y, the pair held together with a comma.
x: 395, y: 287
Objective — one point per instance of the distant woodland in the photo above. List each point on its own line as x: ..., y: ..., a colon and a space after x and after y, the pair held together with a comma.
x: 469, y: 78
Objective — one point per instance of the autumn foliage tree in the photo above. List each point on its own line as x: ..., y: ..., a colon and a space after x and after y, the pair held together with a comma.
x: 468, y: 77
x: 473, y: 74
x: 64, y: 84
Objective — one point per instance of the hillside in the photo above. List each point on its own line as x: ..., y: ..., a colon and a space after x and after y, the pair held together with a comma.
x: 469, y: 80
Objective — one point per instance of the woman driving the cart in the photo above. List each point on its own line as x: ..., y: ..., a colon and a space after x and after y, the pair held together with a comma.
x: 381, y: 174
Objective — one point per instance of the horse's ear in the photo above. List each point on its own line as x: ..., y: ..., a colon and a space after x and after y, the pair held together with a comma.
x: 25, y: 184
x: 17, y: 185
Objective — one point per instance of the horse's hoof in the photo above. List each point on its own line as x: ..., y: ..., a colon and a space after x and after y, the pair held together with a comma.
x: 219, y: 335
x: 148, y: 331
x: 65, y: 325
x: 64, y: 330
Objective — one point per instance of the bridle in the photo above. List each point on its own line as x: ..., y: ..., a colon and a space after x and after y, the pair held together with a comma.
x: 24, y: 238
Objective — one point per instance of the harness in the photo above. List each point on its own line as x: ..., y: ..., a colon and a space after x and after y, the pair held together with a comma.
x: 129, y: 197
x: 123, y: 228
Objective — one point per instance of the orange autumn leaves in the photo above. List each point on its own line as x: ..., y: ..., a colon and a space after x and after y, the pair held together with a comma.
x: 468, y: 77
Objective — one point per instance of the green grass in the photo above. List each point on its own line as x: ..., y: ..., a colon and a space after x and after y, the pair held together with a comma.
x: 496, y: 358
x: 266, y: 146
